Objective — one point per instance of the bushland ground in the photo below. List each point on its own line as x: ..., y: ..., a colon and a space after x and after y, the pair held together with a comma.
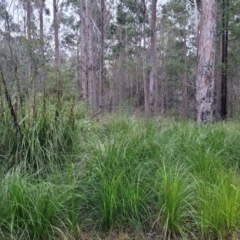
x: 117, y: 176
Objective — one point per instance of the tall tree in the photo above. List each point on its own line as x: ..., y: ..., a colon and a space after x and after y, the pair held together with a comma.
x: 29, y: 37
x: 184, y: 80
x: 153, y: 72
x: 206, y: 63
x: 144, y: 55
x: 43, y: 70
x: 84, y: 91
x: 100, y: 100
x: 56, y: 52
x: 90, y: 61
x: 225, y: 23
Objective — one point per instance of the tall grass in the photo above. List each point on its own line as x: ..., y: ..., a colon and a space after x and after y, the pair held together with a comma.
x: 44, y: 139
x: 38, y: 209
x: 218, y: 205
x: 76, y: 177
x: 175, y: 199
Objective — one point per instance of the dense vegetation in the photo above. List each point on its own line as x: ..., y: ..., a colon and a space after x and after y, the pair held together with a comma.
x: 96, y: 106
x: 117, y: 176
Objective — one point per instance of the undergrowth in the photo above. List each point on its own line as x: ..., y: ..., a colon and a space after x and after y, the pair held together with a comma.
x: 73, y: 177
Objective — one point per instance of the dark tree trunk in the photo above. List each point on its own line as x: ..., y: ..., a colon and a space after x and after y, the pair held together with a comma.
x: 223, y: 109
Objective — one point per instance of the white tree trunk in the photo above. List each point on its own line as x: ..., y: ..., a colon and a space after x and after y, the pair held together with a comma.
x: 153, y: 73
x: 206, y: 63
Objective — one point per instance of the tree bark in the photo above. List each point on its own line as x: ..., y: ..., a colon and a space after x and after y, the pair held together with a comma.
x: 196, y: 20
x: 90, y: 63
x: 223, y: 110
x: 153, y: 72
x: 184, y: 81
x: 56, y: 39
x: 206, y: 63
x: 144, y: 54
x: 83, y: 62
x: 43, y: 70
x: 29, y: 37
x: 100, y: 100
x: 56, y: 53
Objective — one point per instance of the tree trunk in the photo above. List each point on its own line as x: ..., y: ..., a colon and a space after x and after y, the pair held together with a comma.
x: 144, y: 54
x: 184, y: 82
x: 100, y: 100
x: 223, y: 110
x: 153, y: 72
x: 163, y: 88
x: 43, y: 70
x: 196, y: 20
x: 56, y: 53
x: 206, y: 63
x: 84, y: 89
x: 90, y: 63
x: 29, y: 37
x: 28, y: 19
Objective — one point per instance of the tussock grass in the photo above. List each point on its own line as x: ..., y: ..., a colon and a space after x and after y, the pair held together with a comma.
x: 218, y: 205
x: 75, y: 177
x: 175, y: 199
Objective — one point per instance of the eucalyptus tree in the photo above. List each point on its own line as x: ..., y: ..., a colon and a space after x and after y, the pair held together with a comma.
x: 101, y: 78
x: 153, y: 72
x: 41, y: 7
x: 82, y: 62
x: 56, y: 44
x: 206, y: 62
x: 144, y: 55
x: 92, y: 98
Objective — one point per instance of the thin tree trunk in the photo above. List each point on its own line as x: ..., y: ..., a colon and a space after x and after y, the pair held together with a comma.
x: 163, y: 88
x: 29, y: 64
x: 206, y: 63
x: 56, y: 53
x: 153, y: 72
x: 10, y: 105
x: 41, y: 6
x: 145, y: 83
x: 56, y: 39
x: 196, y: 20
x: 223, y: 111
x: 90, y: 62
x: 100, y: 100
x: 184, y: 82
x: 84, y: 87
x: 43, y: 70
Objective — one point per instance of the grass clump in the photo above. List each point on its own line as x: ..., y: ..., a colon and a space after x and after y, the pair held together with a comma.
x: 34, y: 208
x: 175, y: 199
x: 218, y: 205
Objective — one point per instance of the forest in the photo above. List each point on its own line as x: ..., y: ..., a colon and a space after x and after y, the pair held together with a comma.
x: 119, y: 119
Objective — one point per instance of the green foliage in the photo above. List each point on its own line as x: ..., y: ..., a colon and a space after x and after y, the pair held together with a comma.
x: 218, y: 205
x: 45, y: 138
x: 122, y: 172
x: 175, y: 195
